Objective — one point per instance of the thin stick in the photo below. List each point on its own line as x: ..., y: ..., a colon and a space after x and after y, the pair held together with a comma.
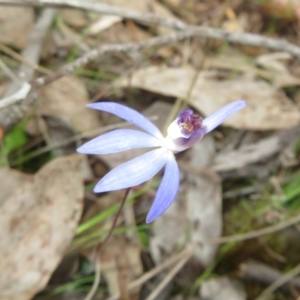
x: 23, y: 60
x: 100, y: 247
x: 203, y: 31
x: 254, y: 234
x: 8, y: 71
x: 164, y: 265
x: 278, y: 283
x: 96, y: 282
x: 111, y: 49
x: 17, y: 96
x: 171, y: 274
x: 9, y: 116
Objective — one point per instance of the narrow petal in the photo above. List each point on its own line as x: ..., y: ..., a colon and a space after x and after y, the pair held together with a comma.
x: 129, y: 115
x: 133, y: 172
x: 119, y: 140
x: 167, y: 190
x: 216, y: 118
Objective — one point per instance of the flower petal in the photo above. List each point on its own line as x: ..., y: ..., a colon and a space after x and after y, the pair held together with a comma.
x: 216, y: 118
x: 129, y: 115
x: 119, y: 140
x: 133, y: 172
x: 167, y: 190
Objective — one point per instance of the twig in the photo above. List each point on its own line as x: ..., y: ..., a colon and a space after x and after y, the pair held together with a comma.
x: 260, y: 272
x: 202, y: 31
x: 96, y: 282
x: 9, y: 116
x: 279, y: 282
x: 111, y: 49
x: 254, y: 234
x: 15, y: 55
x: 145, y: 277
x: 17, y: 96
x: 171, y: 274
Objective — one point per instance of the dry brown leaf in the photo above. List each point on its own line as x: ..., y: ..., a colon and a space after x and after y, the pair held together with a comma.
x: 146, y: 6
x: 123, y: 33
x: 36, y: 226
x: 10, y: 180
x: 274, y: 64
x: 267, y: 66
x: 104, y: 22
x: 67, y: 98
x: 247, y: 154
x: 16, y: 24
x: 267, y: 108
x: 196, y: 213
x: 74, y: 17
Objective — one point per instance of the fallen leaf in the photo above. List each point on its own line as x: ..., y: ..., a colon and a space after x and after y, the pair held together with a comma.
x: 36, y: 226
x: 267, y: 108
x: 196, y: 213
x: 273, y: 63
x: 222, y: 289
x: 270, y: 67
x: 247, y: 154
x: 16, y: 24
x: 104, y: 22
x: 74, y: 17
x: 67, y: 98
x: 146, y: 6
x: 10, y: 180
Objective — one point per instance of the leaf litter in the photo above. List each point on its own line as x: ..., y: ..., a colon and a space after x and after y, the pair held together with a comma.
x: 269, y: 108
x: 16, y: 24
x: 265, y: 80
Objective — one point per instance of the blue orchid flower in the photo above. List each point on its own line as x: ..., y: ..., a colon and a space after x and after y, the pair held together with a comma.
x: 183, y: 133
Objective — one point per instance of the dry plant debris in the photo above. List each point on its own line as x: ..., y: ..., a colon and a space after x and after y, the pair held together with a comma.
x: 16, y: 25
x: 269, y: 108
x: 37, y: 224
x: 156, y: 56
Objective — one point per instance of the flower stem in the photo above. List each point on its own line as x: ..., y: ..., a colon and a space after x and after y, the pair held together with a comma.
x: 98, y: 249
x: 101, y: 245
